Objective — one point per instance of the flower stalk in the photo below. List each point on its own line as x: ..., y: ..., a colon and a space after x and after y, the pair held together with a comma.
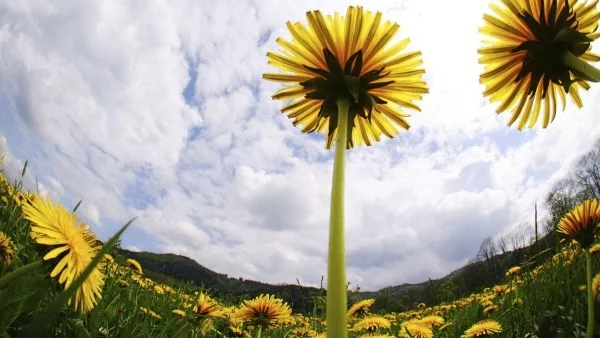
x: 336, y: 273
x: 590, y: 293
x: 583, y: 68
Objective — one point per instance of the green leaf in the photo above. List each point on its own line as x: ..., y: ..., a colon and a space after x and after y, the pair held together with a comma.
x: 353, y: 85
x: 41, y: 322
x: 568, y: 34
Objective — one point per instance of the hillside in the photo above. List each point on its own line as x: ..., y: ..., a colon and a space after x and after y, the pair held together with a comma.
x: 473, y: 277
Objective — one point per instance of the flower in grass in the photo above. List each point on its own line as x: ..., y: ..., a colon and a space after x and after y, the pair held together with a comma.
x: 264, y: 310
x: 595, y: 249
x: 484, y: 328
x: 596, y: 286
x: 490, y: 309
x: 303, y: 332
x: 8, y: 251
x: 53, y: 225
x: 581, y: 223
x: 517, y: 302
x: 432, y: 320
x: 348, y: 58
x: 413, y: 329
x: 500, y: 289
x: 135, y: 265
x: 179, y: 313
x: 207, y: 307
x: 372, y: 323
x: 513, y: 271
x: 524, y: 69
x: 150, y: 313
x: 360, y: 307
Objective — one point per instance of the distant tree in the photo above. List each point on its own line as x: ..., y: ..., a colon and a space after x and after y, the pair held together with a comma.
x: 487, y: 254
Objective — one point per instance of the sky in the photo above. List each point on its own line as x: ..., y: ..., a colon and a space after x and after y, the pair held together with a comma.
x: 157, y: 110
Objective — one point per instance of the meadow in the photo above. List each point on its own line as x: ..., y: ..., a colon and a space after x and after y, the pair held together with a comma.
x: 541, y: 298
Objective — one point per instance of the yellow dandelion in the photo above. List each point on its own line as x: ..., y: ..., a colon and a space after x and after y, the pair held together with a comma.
x: 595, y: 249
x: 207, y: 307
x: 524, y: 55
x: 500, y: 289
x: 53, y: 225
x: 581, y: 223
x: 513, y: 271
x: 159, y: 290
x: 596, y: 286
x: 179, y: 313
x: 123, y: 283
x: 483, y: 328
x: 303, y: 332
x: 8, y: 251
x: 348, y: 59
x: 264, y: 311
x: 135, y: 265
x: 372, y: 323
x: 412, y: 329
x: 150, y: 313
x: 360, y: 307
x: 517, y: 302
x: 490, y: 309
x: 432, y: 320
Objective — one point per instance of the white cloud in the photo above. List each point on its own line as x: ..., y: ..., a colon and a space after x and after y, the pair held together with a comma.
x: 92, y: 95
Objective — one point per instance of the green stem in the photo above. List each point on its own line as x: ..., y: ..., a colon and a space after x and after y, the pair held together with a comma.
x: 259, y: 331
x: 591, y: 322
x: 581, y: 66
x: 336, y: 280
x: 21, y: 271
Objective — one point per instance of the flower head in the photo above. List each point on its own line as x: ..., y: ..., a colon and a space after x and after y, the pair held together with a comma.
x: 360, y: 307
x: 523, y: 57
x: 348, y: 58
x: 55, y: 226
x: 207, y: 307
x: 264, y: 310
x: 135, y: 265
x: 8, y: 251
x: 413, y: 329
x: 513, y: 271
x: 581, y: 223
x: 483, y: 328
x: 372, y: 323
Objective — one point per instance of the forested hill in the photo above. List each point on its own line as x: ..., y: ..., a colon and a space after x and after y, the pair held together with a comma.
x: 527, y: 246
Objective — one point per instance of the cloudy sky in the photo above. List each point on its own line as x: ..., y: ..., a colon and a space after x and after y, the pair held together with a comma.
x: 157, y: 109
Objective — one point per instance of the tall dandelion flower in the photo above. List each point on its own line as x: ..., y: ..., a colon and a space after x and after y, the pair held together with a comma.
x: 208, y: 307
x: 360, y: 307
x: 347, y: 81
x: 263, y: 311
x: 8, y: 251
x: 581, y: 224
x: 535, y: 53
x: 413, y: 329
x: 53, y: 225
x: 135, y: 265
x: 483, y: 328
x: 372, y: 323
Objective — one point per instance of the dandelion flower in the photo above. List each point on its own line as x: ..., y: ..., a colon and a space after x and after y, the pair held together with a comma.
x: 150, y: 313
x: 482, y: 329
x: 432, y: 320
x: 348, y: 58
x: 54, y: 226
x: 513, y: 271
x: 179, y: 313
x: 207, y: 307
x: 264, y: 311
x: 372, y: 323
x: 525, y: 69
x: 595, y: 249
x: 412, y: 329
x: 360, y: 307
x: 135, y: 265
x: 581, y: 222
x: 8, y: 251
